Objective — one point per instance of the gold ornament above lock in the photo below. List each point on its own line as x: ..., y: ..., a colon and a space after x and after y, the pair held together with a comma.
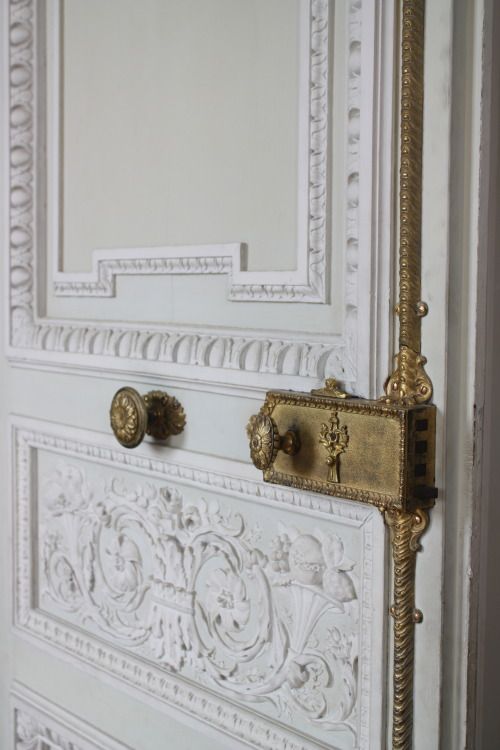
x: 133, y: 416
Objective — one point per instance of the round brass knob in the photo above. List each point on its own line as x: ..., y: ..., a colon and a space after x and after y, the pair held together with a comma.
x: 265, y: 441
x: 156, y: 413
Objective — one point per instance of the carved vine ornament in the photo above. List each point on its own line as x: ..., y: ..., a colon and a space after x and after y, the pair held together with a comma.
x: 378, y: 452
x: 200, y: 591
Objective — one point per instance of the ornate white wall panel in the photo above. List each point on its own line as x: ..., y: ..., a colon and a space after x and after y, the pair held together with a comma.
x: 39, y: 724
x: 214, y: 354
x: 308, y: 282
x: 164, y: 576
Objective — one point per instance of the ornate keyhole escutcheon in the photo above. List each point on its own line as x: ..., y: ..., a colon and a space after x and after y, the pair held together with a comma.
x: 335, y: 438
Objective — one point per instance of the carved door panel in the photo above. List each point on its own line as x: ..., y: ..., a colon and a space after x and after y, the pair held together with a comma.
x: 200, y: 201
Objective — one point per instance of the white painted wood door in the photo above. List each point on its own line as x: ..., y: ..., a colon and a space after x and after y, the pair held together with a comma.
x: 200, y: 198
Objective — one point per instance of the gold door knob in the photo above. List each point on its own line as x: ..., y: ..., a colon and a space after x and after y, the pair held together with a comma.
x: 265, y: 441
x: 156, y: 413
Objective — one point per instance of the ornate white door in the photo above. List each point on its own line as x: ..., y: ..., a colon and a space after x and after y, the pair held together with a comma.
x: 200, y: 199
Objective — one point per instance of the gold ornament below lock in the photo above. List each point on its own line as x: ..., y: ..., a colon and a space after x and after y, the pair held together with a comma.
x: 133, y: 416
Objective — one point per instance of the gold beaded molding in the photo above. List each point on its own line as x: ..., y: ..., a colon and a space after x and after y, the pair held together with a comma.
x: 409, y: 383
x: 406, y: 530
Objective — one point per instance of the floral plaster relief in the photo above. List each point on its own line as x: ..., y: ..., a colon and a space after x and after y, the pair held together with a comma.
x: 266, y: 615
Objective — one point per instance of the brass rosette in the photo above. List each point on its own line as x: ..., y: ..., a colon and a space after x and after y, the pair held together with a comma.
x: 129, y: 417
x: 264, y: 441
x: 133, y: 416
x: 165, y: 415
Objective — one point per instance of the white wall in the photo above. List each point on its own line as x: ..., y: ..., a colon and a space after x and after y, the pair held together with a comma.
x: 484, y: 716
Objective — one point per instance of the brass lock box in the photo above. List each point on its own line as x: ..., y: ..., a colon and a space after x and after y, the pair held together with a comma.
x: 370, y: 451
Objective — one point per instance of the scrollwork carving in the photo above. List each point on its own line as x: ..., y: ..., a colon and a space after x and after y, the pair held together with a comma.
x: 160, y: 644
x: 200, y: 591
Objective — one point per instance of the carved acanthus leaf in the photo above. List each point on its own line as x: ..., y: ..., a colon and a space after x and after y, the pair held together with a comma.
x: 183, y: 584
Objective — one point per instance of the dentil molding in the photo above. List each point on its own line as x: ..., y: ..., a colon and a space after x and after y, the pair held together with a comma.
x: 269, y: 635
x: 215, y: 354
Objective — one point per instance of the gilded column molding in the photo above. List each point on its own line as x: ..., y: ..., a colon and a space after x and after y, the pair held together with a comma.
x: 409, y: 382
x: 406, y: 529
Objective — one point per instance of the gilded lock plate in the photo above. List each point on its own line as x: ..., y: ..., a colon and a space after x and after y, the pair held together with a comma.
x: 369, y: 451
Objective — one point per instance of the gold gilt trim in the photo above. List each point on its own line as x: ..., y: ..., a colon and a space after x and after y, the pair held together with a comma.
x: 335, y: 439
x: 406, y: 530
x: 409, y: 383
x: 332, y: 388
